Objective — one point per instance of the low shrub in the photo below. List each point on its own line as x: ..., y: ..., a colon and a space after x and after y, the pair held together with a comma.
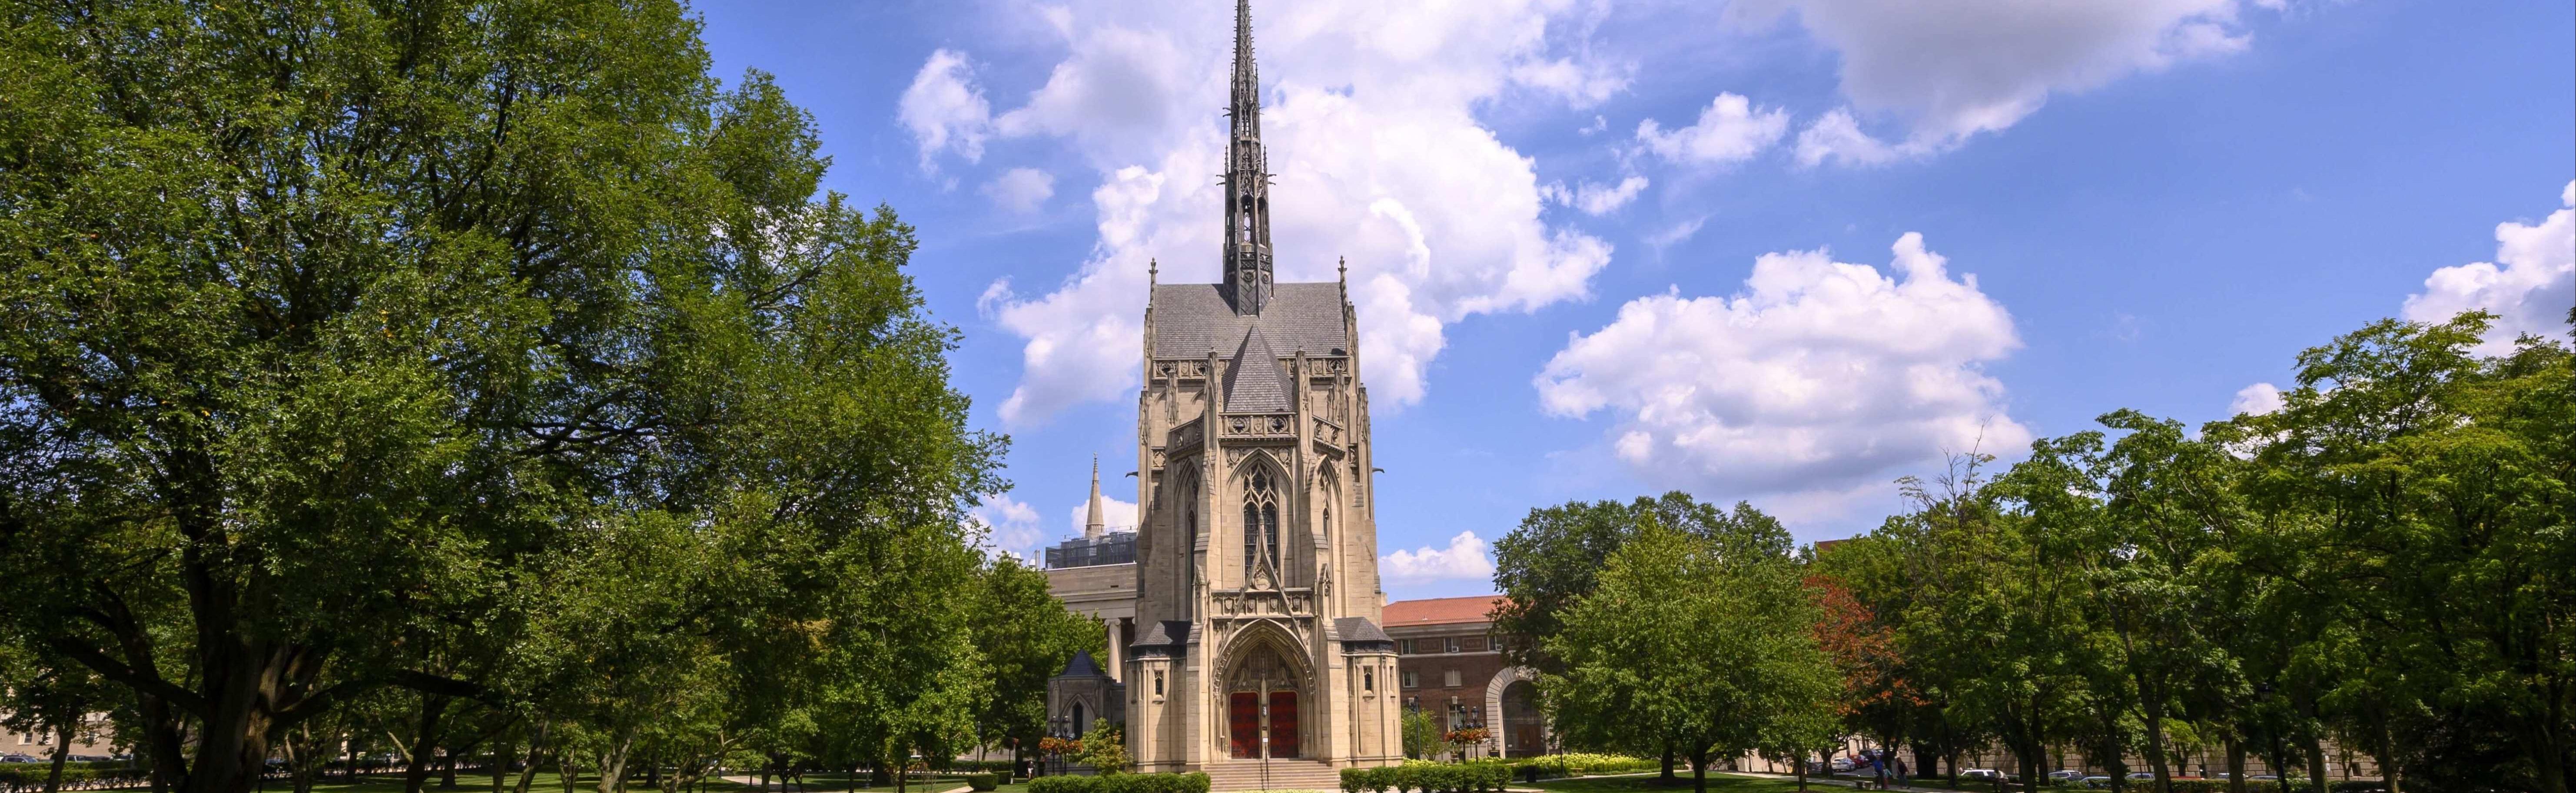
x: 1583, y: 764
x: 1120, y: 783
x: 983, y: 782
x: 1474, y: 776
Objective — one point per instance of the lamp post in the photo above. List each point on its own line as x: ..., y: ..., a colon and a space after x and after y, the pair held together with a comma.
x: 1055, y: 759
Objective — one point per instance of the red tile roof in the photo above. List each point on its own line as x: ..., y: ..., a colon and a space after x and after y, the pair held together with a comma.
x: 1441, y: 611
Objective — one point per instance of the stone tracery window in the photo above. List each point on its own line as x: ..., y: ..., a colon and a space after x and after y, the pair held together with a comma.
x: 1260, y: 523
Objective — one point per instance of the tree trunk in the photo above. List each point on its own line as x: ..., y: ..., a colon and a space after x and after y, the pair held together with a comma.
x: 1699, y: 771
x: 2316, y: 764
x: 2389, y: 774
x: 528, y: 770
x: 2548, y: 759
x: 2155, y: 711
x: 1802, y: 769
x: 612, y: 764
x: 62, y: 754
x: 2235, y: 765
x: 424, y: 742
x: 502, y: 752
x: 1669, y: 756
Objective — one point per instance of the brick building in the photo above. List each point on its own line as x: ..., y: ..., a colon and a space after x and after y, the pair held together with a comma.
x: 1450, y: 663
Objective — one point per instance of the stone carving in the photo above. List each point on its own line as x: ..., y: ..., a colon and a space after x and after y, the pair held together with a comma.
x: 1268, y: 425
x: 1327, y: 432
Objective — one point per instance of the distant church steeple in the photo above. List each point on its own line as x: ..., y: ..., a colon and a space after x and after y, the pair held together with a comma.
x: 1092, y: 524
x: 1247, y: 181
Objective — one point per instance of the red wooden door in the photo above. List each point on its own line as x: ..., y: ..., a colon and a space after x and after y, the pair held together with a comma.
x: 1283, y: 724
x: 1243, y: 717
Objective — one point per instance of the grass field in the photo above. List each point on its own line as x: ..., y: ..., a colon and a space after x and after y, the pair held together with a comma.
x: 1651, y: 783
x: 553, y: 783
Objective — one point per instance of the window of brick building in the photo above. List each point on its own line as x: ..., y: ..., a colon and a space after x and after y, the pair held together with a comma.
x: 1412, y: 680
x: 1453, y: 644
x: 1449, y: 678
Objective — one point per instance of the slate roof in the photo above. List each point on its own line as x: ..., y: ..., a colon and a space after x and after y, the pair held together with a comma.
x: 1360, y: 631
x: 1191, y: 320
x: 1082, y: 666
x: 1164, y: 633
x: 1441, y: 611
x: 1252, y: 382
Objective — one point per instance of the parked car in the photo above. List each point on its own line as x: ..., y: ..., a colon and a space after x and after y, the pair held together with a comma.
x: 2097, y: 782
x: 2139, y: 775
x: 1842, y: 764
x: 1981, y: 774
x: 2062, y: 775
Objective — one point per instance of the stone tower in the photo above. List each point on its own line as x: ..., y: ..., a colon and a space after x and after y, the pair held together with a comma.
x: 1257, y: 590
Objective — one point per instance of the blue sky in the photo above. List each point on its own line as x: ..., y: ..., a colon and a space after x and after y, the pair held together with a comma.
x: 1775, y: 250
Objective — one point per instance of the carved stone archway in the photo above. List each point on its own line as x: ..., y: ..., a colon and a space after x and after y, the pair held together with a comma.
x: 1496, y: 725
x: 1265, y: 698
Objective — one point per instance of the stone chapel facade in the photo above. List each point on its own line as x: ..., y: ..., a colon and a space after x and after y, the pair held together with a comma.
x: 1257, y: 599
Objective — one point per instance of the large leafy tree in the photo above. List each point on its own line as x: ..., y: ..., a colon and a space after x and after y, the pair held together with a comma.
x: 2441, y: 486
x: 326, y: 325
x: 1704, y: 643
x: 1026, y: 636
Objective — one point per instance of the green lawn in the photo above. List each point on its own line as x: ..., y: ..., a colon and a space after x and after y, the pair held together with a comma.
x: 1652, y: 783
x: 545, y: 782
x: 551, y: 783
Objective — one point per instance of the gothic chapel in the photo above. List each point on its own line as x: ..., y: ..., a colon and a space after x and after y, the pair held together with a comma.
x: 1257, y: 590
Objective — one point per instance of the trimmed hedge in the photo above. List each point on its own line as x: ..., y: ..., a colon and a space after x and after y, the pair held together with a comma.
x: 1193, y: 782
x: 16, y: 777
x: 983, y: 782
x: 1583, y: 764
x: 1474, y: 776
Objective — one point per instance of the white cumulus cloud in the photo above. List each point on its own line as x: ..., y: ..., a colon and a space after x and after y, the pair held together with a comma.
x: 1817, y: 377
x: 1730, y: 129
x: 944, y: 109
x: 1372, y: 125
x: 1116, y: 514
x: 1950, y: 70
x: 1021, y: 189
x: 1009, y: 526
x: 1594, y: 198
x: 2529, y: 287
x: 1467, y: 557
x: 2258, y: 399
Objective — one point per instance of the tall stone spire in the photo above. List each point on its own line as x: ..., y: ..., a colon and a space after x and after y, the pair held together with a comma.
x: 1092, y: 524
x: 1247, y: 181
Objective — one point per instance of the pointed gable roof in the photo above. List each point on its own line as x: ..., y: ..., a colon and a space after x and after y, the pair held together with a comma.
x: 1082, y: 666
x: 1252, y: 382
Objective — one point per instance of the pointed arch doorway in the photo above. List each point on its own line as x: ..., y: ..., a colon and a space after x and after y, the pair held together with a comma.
x: 1263, y: 705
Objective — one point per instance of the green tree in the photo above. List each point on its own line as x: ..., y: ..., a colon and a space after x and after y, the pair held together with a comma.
x: 1422, y: 737
x: 1555, y: 557
x: 2439, y: 487
x: 328, y: 325
x: 1027, y: 636
x: 1705, y: 643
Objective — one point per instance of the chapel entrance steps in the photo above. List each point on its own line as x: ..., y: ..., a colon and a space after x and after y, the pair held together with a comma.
x: 1230, y: 775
